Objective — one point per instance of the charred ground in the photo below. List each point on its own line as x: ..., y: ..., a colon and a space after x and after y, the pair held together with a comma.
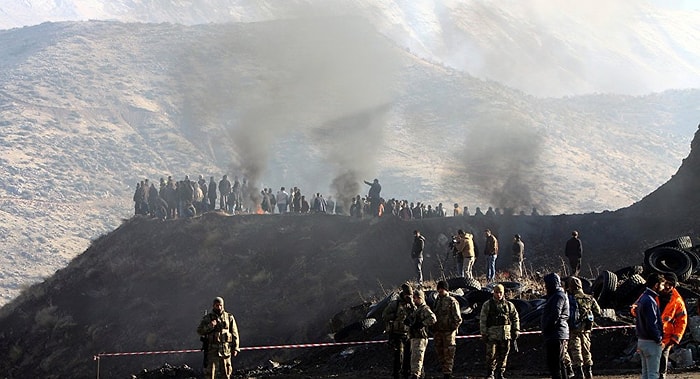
x: 145, y: 285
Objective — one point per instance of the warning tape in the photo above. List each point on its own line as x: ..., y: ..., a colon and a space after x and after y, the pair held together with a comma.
x: 308, y: 345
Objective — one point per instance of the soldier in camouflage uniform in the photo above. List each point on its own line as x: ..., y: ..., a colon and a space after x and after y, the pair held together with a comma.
x: 578, y: 359
x: 220, y: 336
x: 422, y: 318
x: 499, y: 324
x: 394, y: 317
x: 446, y: 309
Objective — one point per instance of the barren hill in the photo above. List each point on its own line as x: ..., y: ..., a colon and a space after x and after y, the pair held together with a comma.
x: 145, y: 285
x: 87, y: 109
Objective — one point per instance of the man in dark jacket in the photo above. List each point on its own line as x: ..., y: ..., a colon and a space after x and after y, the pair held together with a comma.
x: 648, y: 326
x: 554, y: 326
x: 417, y: 255
x: 574, y: 251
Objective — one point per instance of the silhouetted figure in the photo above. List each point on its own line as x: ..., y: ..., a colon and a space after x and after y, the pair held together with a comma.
x: 478, y: 212
x: 574, y: 251
x: 373, y: 196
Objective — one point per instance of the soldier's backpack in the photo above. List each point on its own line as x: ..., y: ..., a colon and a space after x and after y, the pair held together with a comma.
x: 580, y: 313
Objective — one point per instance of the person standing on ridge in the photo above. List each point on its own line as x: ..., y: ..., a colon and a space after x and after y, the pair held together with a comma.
x: 220, y: 335
x: 574, y: 251
x: 491, y: 252
x: 417, y: 255
x: 373, y: 196
x: 518, y: 255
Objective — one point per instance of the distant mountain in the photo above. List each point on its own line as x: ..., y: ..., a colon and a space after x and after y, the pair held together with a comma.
x: 551, y: 48
x: 87, y: 109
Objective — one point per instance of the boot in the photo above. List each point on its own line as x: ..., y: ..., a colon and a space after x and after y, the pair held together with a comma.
x: 446, y: 376
x: 490, y: 375
x: 500, y: 374
x: 578, y: 372
x: 569, y: 372
x: 588, y: 372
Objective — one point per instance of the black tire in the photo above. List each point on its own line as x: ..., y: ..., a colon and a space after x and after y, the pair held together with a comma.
x: 459, y: 282
x: 629, y: 290
x: 626, y: 272
x: 512, y: 286
x: 669, y: 259
x: 478, y: 297
x: 694, y: 259
x: 359, y: 331
x: 522, y: 306
x: 537, y: 303
x: 463, y: 302
x: 532, y: 319
x: 376, y: 310
x: 604, y: 289
x: 687, y: 294
x: 683, y: 243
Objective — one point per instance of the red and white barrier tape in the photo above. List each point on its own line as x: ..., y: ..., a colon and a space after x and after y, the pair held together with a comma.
x: 306, y: 345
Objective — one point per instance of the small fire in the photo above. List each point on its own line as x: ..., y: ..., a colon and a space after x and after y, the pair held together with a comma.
x: 259, y: 210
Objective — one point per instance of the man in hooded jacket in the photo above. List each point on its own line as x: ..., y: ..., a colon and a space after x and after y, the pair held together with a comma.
x: 554, y: 326
x: 220, y: 336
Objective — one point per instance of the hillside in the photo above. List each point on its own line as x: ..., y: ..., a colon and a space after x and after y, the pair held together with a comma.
x: 88, y: 109
x: 145, y: 285
x: 553, y: 48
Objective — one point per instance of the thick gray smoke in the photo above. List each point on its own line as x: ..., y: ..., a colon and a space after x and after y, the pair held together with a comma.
x: 327, y: 81
x: 501, y: 157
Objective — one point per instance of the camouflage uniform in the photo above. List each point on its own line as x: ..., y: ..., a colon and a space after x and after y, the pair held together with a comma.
x: 578, y: 358
x: 219, y: 341
x: 422, y: 317
x: 394, y: 317
x: 498, y: 323
x: 448, y: 316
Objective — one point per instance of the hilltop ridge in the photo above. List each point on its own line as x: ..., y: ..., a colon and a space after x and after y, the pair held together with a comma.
x: 144, y: 285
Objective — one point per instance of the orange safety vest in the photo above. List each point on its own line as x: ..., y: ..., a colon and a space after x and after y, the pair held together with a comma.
x: 674, y: 319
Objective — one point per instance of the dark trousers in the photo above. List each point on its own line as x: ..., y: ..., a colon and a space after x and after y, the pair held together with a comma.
x: 555, y: 350
x: 400, y: 347
x: 575, y: 263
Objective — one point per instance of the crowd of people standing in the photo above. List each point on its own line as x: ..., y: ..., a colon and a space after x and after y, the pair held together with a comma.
x: 186, y: 198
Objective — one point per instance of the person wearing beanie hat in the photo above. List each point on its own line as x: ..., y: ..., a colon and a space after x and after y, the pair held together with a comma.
x: 219, y: 334
x: 583, y: 310
x: 423, y: 317
x: 674, y: 319
x: 395, y: 317
x: 448, y: 316
x: 554, y: 326
x: 499, y: 324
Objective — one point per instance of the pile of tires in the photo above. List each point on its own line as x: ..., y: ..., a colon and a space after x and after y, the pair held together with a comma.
x: 676, y: 256
x: 629, y: 290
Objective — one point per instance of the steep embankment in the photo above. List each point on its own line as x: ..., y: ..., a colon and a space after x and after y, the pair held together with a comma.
x: 144, y: 286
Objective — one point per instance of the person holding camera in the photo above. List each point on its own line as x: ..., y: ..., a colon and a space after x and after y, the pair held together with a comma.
x: 499, y: 324
x: 219, y: 334
x: 422, y: 318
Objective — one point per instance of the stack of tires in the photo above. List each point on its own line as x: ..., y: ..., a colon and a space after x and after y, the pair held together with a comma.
x: 676, y: 256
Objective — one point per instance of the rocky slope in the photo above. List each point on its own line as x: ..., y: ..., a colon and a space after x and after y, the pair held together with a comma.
x: 145, y: 285
x: 88, y: 109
